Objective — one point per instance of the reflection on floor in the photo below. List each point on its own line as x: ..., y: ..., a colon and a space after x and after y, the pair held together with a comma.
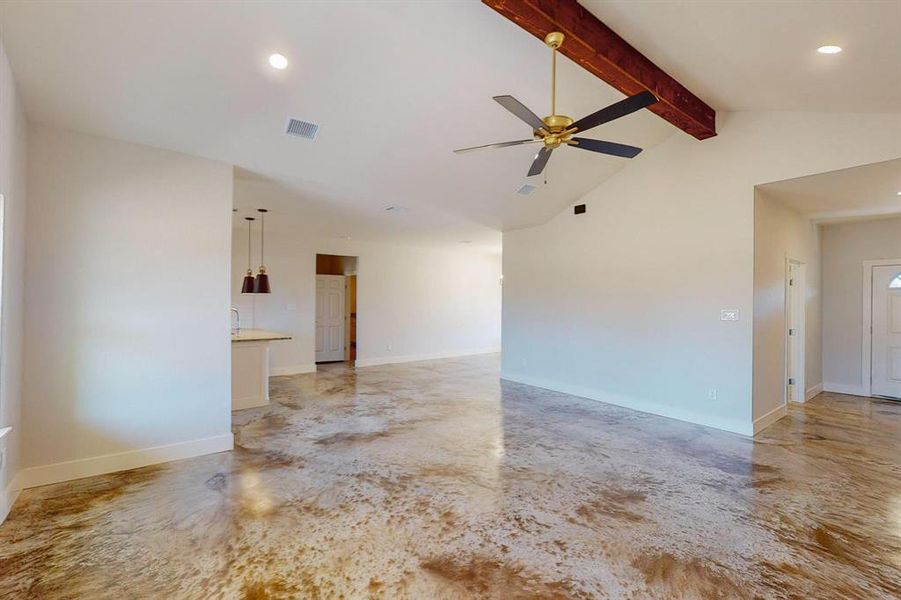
x: 434, y: 480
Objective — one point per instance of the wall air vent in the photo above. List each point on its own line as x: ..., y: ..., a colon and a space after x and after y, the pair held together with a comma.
x: 526, y: 189
x: 303, y: 129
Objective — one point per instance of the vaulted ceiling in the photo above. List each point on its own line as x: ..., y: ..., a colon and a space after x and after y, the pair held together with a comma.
x: 395, y: 87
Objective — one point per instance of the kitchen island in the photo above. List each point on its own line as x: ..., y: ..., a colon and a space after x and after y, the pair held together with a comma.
x: 250, y: 366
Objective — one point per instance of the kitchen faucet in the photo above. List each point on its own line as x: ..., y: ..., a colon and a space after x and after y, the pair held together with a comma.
x: 237, y: 327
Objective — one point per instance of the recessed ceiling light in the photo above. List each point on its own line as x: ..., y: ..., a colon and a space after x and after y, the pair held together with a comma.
x: 278, y: 61
x: 829, y: 49
x: 899, y: 193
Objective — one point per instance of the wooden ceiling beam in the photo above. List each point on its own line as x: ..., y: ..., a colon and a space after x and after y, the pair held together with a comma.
x: 603, y: 53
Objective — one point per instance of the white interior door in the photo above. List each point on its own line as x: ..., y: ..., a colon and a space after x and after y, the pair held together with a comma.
x: 886, y: 349
x: 329, y: 318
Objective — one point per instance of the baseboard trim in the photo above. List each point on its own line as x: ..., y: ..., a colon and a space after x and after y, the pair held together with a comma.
x: 732, y: 426
x: 768, y: 419
x: 292, y: 370
x: 390, y: 360
x: 813, y: 392
x: 10, y: 494
x: 123, y: 461
x: 841, y: 388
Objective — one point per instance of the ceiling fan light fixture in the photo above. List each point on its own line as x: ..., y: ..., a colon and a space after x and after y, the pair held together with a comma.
x: 555, y: 130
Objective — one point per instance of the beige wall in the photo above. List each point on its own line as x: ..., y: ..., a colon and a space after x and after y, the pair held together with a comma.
x: 667, y: 243
x: 779, y: 234
x: 413, y: 302
x: 845, y: 246
x: 127, y: 351
x: 13, y: 151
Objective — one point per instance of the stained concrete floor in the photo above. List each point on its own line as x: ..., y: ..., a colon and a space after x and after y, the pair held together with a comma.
x: 437, y: 480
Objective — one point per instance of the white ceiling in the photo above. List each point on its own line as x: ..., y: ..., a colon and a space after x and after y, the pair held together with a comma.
x: 859, y: 192
x: 397, y: 86
x: 761, y: 55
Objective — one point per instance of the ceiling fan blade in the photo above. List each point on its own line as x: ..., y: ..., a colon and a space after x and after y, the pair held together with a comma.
x: 615, y: 111
x: 606, y: 147
x: 540, y: 161
x: 500, y: 145
x: 520, y: 110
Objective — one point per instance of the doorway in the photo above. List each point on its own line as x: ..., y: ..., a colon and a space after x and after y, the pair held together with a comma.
x: 795, y: 331
x: 336, y: 309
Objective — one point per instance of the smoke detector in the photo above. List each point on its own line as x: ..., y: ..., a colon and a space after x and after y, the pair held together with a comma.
x: 302, y: 129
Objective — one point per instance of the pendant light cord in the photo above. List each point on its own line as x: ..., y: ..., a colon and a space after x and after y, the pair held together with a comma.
x: 249, y: 242
x: 262, y: 212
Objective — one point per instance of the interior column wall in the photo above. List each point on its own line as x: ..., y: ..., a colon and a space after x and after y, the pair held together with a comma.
x: 779, y: 234
x: 127, y: 353
x: 13, y: 153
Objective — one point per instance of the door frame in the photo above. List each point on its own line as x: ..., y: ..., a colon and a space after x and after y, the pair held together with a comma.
x: 866, y: 321
x: 801, y: 334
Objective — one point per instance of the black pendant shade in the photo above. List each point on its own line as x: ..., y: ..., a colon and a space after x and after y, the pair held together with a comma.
x: 261, y: 285
x: 247, y: 287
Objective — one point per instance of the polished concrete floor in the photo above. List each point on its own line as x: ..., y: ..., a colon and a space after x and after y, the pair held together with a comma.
x: 435, y: 480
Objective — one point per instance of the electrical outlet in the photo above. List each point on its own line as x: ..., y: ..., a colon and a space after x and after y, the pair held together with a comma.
x: 387, y: 346
x: 711, y: 394
x: 729, y: 314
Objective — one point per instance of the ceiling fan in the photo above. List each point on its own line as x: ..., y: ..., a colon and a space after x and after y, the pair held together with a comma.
x: 557, y: 130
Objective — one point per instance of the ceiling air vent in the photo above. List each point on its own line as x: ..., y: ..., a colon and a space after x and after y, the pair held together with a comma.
x: 526, y: 189
x: 303, y: 129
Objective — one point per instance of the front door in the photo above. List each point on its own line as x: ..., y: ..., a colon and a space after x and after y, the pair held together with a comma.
x: 886, y: 370
x: 329, y: 318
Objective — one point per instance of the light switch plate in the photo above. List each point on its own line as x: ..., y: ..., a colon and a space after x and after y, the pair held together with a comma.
x: 729, y: 314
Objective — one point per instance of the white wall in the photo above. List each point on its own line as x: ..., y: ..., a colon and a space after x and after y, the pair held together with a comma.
x: 13, y: 150
x: 781, y: 233
x: 622, y: 304
x: 423, y: 302
x: 127, y: 349
x: 845, y: 246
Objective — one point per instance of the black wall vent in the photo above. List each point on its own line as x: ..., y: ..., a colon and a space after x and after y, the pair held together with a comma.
x: 579, y: 209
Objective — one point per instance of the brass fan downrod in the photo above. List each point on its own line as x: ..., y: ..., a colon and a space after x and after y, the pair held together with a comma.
x: 555, y: 125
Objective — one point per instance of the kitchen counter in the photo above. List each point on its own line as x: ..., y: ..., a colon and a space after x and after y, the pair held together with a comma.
x: 250, y: 366
x: 258, y: 335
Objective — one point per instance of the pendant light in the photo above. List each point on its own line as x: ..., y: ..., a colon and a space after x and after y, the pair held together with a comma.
x: 247, y: 287
x: 262, y: 282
